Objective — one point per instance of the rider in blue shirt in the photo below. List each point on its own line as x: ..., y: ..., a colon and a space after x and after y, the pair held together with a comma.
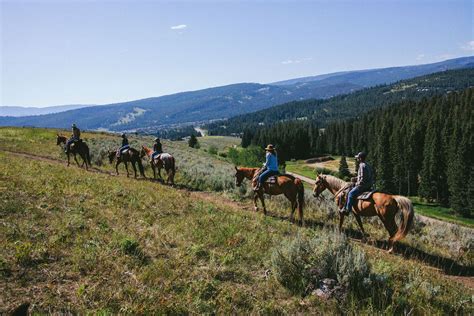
x: 270, y: 166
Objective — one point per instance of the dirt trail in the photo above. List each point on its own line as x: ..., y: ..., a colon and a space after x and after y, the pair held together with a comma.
x: 219, y: 200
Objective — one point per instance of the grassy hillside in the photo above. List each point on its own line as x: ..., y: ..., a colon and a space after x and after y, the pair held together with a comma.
x: 76, y: 241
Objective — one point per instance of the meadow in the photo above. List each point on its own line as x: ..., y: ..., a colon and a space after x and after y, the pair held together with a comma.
x: 89, y: 242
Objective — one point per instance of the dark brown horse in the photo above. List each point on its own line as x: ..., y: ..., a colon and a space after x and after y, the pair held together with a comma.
x: 79, y: 147
x: 286, y: 184
x: 130, y: 155
x: 383, y: 205
x: 161, y: 161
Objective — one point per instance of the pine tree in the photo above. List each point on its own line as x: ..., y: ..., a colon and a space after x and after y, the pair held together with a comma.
x: 344, y: 172
x: 193, y: 142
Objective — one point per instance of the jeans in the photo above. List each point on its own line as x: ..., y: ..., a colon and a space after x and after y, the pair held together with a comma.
x: 352, y: 196
x: 153, y: 156
x: 266, y: 174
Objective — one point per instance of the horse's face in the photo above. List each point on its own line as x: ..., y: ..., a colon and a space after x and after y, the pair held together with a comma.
x: 319, y: 185
x: 59, y: 139
x: 239, y: 177
x: 111, y: 156
x: 142, y: 152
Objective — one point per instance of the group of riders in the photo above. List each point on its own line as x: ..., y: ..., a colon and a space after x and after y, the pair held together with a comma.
x: 363, y: 182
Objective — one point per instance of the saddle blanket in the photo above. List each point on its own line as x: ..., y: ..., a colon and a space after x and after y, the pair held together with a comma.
x: 271, y: 180
x: 366, y: 195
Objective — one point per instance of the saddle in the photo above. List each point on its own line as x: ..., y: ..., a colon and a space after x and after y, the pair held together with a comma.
x: 342, y: 197
x: 271, y: 180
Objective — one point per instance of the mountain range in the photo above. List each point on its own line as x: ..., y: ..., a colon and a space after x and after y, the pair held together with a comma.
x: 30, y: 110
x: 225, y: 101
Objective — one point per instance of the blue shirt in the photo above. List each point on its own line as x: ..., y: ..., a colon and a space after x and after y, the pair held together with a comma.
x: 271, y: 162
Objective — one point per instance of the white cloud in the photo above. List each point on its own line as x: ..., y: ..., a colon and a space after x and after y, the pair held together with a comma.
x: 296, y: 61
x: 179, y: 27
x: 420, y: 57
x: 468, y: 46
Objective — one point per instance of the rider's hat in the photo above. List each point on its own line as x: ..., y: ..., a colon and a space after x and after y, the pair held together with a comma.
x: 123, y: 135
x: 270, y: 147
x: 361, y: 155
x: 157, y: 139
x: 73, y: 125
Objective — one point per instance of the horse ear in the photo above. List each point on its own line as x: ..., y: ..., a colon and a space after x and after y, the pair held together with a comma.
x: 236, y: 169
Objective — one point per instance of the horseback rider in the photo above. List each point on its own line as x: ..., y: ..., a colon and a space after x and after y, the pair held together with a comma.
x: 157, y: 148
x: 365, y: 182
x: 75, y: 137
x: 270, y: 167
x: 125, y: 145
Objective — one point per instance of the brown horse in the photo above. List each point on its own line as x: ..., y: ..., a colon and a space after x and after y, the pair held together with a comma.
x: 286, y: 184
x: 131, y: 155
x: 383, y: 205
x: 161, y: 161
x: 79, y: 147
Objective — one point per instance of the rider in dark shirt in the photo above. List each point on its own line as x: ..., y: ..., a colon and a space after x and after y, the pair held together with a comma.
x: 365, y: 181
x: 76, y: 136
x: 125, y: 145
x: 157, y: 148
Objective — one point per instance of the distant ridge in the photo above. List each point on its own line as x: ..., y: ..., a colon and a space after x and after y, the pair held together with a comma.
x: 226, y: 101
x: 16, y: 111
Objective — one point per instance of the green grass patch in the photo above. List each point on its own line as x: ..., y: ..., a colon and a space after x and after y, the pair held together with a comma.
x: 441, y: 213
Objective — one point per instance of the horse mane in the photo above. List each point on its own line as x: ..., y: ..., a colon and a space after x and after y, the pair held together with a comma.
x: 334, y: 181
x: 147, y: 150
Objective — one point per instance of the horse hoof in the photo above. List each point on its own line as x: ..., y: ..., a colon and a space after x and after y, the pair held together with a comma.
x: 390, y: 251
x: 255, y: 209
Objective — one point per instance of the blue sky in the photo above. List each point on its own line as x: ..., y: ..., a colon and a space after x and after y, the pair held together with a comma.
x: 98, y: 52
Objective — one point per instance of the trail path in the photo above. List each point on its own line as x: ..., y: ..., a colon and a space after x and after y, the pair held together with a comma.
x: 219, y: 200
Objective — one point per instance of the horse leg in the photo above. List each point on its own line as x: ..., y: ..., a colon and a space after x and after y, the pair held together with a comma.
x: 359, y: 222
x: 255, y: 198
x: 391, y: 227
x: 260, y: 195
x: 341, y: 221
x: 68, y: 159
x: 293, y: 205
x: 75, y: 158
x: 154, y: 170
x: 134, y: 169
x: 126, y: 168
x: 116, y: 167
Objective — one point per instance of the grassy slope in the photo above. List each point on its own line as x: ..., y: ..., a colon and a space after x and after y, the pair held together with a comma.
x: 88, y: 242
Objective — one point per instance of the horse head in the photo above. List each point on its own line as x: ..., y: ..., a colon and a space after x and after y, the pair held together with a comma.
x: 143, y: 152
x: 60, y: 139
x: 239, y: 176
x: 319, y: 185
x: 111, y: 155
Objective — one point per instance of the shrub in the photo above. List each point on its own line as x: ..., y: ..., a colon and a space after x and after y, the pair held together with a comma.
x: 252, y: 156
x: 23, y: 253
x: 212, y: 150
x: 301, y: 264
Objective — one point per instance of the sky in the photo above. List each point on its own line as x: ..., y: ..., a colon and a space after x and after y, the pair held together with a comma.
x: 99, y: 52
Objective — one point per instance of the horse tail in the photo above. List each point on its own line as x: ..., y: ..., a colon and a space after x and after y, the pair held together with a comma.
x: 88, y: 155
x: 140, y: 167
x: 408, y: 214
x: 300, y: 188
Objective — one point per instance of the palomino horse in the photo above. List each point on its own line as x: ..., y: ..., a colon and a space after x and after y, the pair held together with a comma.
x: 79, y: 147
x: 383, y: 205
x: 161, y: 161
x: 130, y: 155
x: 286, y: 184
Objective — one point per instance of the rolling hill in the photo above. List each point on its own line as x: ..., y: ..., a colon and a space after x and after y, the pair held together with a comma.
x: 223, y: 102
x: 30, y: 110
x: 350, y: 105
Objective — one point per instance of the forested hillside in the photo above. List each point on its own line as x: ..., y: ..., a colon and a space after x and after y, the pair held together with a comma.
x: 351, y: 105
x: 421, y: 148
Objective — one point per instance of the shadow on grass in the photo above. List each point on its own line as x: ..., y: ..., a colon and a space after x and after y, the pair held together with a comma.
x: 449, y: 266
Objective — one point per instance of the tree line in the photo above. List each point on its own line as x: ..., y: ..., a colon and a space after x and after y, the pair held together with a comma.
x: 423, y: 148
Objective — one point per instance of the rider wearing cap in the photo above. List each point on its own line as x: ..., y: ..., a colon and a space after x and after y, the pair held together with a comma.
x: 76, y: 136
x: 157, y: 148
x: 125, y: 145
x: 365, y: 181
x: 270, y: 167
